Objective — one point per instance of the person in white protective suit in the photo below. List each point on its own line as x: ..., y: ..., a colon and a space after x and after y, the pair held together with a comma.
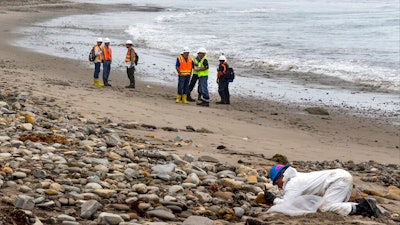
x: 333, y: 186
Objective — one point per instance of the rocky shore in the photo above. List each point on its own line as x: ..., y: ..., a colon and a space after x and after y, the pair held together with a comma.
x: 58, y: 167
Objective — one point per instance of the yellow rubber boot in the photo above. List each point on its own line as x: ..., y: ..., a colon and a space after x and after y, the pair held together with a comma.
x: 184, y: 99
x: 97, y: 83
x: 178, y: 98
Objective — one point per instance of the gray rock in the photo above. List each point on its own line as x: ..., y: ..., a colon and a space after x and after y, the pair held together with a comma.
x: 207, y: 158
x: 239, y: 211
x: 39, y: 174
x: 19, y: 175
x: 4, y: 138
x: 161, y: 214
x: 26, y: 127
x: 163, y: 168
x: 24, y: 202
x: 112, y: 139
x: 140, y: 188
x: 89, y: 208
x: 188, y: 158
x: 197, y: 220
x: 109, y: 218
x: 64, y: 217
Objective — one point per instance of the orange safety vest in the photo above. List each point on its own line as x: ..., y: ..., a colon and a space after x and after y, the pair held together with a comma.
x: 225, y: 65
x: 107, y: 53
x: 185, y: 67
x: 128, y: 56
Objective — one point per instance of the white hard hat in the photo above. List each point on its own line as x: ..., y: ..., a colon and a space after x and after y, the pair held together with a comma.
x: 186, y: 49
x: 222, y: 58
x: 202, y: 50
x: 129, y: 42
x: 99, y: 39
x: 106, y: 40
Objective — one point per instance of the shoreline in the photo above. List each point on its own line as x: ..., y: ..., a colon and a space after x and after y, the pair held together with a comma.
x: 270, y: 126
x: 295, y: 88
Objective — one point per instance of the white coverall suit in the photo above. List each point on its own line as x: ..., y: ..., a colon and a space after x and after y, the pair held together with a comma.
x: 334, y: 186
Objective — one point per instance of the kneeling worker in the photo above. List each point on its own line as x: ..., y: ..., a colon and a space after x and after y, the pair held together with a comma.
x: 334, y: 186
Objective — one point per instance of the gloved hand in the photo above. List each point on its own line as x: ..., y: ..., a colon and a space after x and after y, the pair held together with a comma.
x: 269, y: 197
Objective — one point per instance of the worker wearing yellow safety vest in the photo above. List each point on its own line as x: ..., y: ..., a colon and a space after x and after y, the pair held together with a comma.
x: 184, y: 66
x: 194, y: 79
x: 202, y: 73
x: 107, y: 58
x: 97, y: 62
x: 130, y: 60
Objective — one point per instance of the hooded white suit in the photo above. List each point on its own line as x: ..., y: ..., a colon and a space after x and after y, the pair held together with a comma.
x: 334, y: 186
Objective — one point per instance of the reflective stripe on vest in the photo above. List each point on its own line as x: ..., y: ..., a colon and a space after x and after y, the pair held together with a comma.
x: 107, y: 53
x: 204, y: 72
x: 196, y: 63
x: 128, y: 56
x: 185, y: 67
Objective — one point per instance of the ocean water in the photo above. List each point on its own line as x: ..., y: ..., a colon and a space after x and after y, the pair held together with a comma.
x: 356, y: 41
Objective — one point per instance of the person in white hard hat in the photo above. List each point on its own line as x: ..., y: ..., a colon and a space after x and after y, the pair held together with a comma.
x: 97, y: 62
x: 202, y: 73
x: 184, y: 66
x: 130, y: 60
x: 223, y: 84
x: 107, y: 58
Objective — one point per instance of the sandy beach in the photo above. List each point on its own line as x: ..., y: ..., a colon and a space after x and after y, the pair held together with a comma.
x: 251, y: 130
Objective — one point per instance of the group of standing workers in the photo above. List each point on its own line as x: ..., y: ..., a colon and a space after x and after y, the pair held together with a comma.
x: 104, y: 55
x: 190, y: 70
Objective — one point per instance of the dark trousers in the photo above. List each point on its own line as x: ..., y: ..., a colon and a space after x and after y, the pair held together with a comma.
x: 106, y: 71
x: 96, y: 70
x: 131, y: 76
x: 183, y: 85
x: 193, y: 83
x: 223, y: 91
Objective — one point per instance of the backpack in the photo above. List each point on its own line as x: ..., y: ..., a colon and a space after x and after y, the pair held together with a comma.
x: 230, y: 74
x: 137, y: 58
x: 92, y: 55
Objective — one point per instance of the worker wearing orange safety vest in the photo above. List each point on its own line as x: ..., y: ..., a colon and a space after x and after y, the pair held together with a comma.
x: 223, y: 84
x: 130, y: 60
x: 107, y: 58
x: 184, y: 66
x: 97, y: 62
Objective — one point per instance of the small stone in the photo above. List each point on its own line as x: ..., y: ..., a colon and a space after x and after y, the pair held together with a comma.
x: 51, y: 192
x: 89, y: 208
x: 197, y: 220
x: 110, y: 218
x: 105, y: 193
x: 206, y: 158
x: 140, y: 188
x: 24, y: 202
x: 251, y: 179
x: 161, y: 214
x: 239, y: 211
x: 26, y: 127
x: 19, y: 175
